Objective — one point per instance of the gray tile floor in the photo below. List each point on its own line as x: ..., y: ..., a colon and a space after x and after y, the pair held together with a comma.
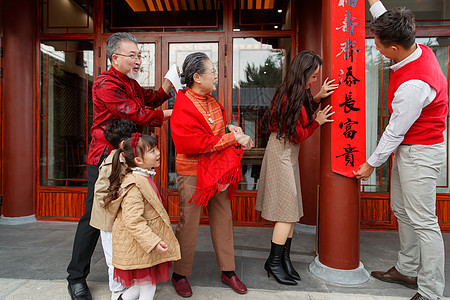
x: 42, y: 250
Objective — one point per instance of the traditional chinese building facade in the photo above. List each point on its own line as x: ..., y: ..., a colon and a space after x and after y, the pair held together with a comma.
x: 52, y: 51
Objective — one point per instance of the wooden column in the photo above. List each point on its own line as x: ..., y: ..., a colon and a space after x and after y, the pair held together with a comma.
x: 339, y: 212
x: 18, y: 108
x: 308, y: 35
x: 339, y: 195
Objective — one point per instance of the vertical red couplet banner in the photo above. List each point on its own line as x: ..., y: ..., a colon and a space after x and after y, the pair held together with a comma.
x: 348, y: 131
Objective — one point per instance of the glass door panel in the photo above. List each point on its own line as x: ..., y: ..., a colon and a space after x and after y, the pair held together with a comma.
x: 259, y: 66
x: 66, y: 76
x: 177, y: 54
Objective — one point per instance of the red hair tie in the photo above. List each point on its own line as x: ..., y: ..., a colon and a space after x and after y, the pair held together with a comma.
x: 134, y: 141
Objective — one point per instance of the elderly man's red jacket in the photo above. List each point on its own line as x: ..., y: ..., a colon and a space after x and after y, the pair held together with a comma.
x: 116, y: 96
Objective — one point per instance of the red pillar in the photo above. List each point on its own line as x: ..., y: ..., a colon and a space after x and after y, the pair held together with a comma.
x: 308, y: 29
x: 18, y: 108
x: 339, y: 213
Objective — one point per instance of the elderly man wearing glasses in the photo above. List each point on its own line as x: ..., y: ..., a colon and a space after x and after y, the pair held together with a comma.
x: 116, y: 95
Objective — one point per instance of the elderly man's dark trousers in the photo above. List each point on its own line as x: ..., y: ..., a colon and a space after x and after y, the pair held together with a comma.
x: 86, y: 236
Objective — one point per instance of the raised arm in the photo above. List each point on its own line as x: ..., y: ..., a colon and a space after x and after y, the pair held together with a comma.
x: 372, y: 2
x: 166, y: 86
x: 376, y: 8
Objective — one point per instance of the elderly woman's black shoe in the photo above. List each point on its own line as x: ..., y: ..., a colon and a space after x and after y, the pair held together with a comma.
x: 273, y: 266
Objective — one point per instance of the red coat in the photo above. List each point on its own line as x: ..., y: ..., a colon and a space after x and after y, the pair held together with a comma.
x: 303, y: 127
x: 115, y: 95
x: 191, y: 134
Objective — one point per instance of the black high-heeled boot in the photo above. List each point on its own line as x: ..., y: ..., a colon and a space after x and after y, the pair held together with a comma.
x: 286, y: 261
x: 273, y: 265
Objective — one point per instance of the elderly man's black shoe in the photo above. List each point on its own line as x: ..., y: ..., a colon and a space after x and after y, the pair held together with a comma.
x: 79, y: 291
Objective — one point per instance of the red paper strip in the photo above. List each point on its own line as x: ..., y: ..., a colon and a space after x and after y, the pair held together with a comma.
x: 348, y: 131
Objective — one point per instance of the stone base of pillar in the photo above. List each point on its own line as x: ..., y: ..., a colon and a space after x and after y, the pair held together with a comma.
x: 17, y: 220
x: 342, y: 277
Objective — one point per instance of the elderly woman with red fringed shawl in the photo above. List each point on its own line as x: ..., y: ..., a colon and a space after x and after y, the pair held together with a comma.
x: 208, y: 166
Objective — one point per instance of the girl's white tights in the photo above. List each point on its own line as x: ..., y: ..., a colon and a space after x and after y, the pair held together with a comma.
x: 141, y: 292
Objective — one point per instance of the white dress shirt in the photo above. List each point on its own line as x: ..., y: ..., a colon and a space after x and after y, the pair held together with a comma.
x: 409, y: 100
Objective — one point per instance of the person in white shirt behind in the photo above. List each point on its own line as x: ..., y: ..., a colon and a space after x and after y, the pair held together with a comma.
x: 418, y: 102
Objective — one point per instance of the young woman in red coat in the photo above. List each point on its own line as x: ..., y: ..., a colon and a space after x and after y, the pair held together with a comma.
x: 290, y: 119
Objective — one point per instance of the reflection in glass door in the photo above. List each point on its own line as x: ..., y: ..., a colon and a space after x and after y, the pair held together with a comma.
x: 66, y: 76
x: 177, y: 54
x: 258, y: 68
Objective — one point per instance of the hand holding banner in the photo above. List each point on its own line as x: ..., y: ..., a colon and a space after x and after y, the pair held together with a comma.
x: 173, y: 76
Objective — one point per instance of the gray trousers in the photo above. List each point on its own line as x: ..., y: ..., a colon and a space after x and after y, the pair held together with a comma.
x: 413, y: 201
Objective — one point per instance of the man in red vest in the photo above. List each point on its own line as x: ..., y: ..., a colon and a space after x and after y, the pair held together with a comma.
x: 418, y: 102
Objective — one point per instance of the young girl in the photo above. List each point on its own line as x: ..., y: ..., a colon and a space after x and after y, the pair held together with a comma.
x: 290, y: 119
x: 143, y: 241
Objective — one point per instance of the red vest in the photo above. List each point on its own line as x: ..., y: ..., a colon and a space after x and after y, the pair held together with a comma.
x: 428, y: 128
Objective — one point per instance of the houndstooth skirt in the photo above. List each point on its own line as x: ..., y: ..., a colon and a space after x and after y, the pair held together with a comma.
x: 279, y: 195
